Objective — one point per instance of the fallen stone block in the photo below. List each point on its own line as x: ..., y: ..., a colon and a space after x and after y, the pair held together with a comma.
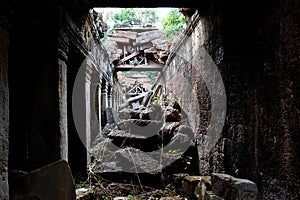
x: 189, y: 184
x: 209, y: 195
x: 53, y: 181
x: 203, y: 186
x: 178, y: 179
x: 229, y: 187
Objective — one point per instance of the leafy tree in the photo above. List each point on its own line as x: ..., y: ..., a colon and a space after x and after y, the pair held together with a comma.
x: 148, y: 16
x: 173, y: 23
x: 127, y: 15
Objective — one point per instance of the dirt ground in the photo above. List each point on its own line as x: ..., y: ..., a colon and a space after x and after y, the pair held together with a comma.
x: 107, y: 190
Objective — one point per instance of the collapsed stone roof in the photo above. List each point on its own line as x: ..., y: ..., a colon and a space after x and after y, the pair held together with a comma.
x: 145, y: 47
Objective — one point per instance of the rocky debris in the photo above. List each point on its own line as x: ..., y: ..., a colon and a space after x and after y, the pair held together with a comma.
x: 139, y: 113
x: 135, y: 90
x: 137, y: 96
x: 57, y: 176
x: 129, y: 81
x: 229, y: 187
x: 143, y: 44
x: 84, y: 193
x: 144, y: 128
x: 135, y: 148
x: 190, y: 183
x: 218, y: 186
x: 105, y: 189
x: 136, y: 100
x: 182, y: 187
x: 150, y: 140
x: 177, y: 180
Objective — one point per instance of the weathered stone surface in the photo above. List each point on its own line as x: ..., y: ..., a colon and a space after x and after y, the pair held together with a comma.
x: 172, y: 115
x: 120, y: 40
x: 146, y: 128
x: 202, y: 187
x: 53, y: 181
x: 262, y: 98
x: 127, y: 34
x: 229, y: 187
x: 148, y: 36
x: 4, y: 100
x: 190, y: 185
x: 209, y: 195
x: 178, y: 180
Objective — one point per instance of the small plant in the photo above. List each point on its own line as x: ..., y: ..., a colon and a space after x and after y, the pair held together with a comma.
x: 130, y: 196
x: 174, y: 151
x: 79, y: 185
x: 157, y: 194
x: 180, y: 101
x: 168, y: 187
x: 106, y: 197
x: 157, y: 99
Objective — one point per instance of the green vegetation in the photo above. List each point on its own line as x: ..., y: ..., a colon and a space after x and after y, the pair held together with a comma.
x: 146, y: 16
x: 157, y: 99
x: 130, y: 196
x: 79, y: 185
x: 174, y: 151
x: 126, y: 16
x: 169, y: 187
x: 173, y: 23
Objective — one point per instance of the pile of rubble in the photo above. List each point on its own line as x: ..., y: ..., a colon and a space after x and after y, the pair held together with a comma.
x: 153, y: 140
x: 145, y: 44
x: 218, y: 186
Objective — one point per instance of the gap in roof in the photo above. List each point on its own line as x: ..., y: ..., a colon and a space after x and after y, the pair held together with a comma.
x: 161, y: 12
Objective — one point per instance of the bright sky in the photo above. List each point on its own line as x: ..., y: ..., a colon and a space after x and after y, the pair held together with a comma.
x: 161, y: 12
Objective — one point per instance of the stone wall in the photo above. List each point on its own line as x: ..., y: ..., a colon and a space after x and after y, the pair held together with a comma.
x: 43, y: 47
x: 255, y: 48
x: 5, y: 25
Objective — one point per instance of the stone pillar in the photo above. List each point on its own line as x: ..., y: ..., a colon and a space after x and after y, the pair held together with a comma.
x: 104, y: 102
x: 104, y: 95
x: 109, y: 97
x: 95, y: 88
x: 62, y: 89
x: 88, y: 108
x: 99, y: 101
x: 4, y: 103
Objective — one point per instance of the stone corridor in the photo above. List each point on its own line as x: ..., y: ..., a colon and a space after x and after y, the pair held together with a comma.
x: 231, y: 80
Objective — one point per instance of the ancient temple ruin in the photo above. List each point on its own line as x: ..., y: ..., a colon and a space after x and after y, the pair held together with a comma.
x: 228, y: 88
